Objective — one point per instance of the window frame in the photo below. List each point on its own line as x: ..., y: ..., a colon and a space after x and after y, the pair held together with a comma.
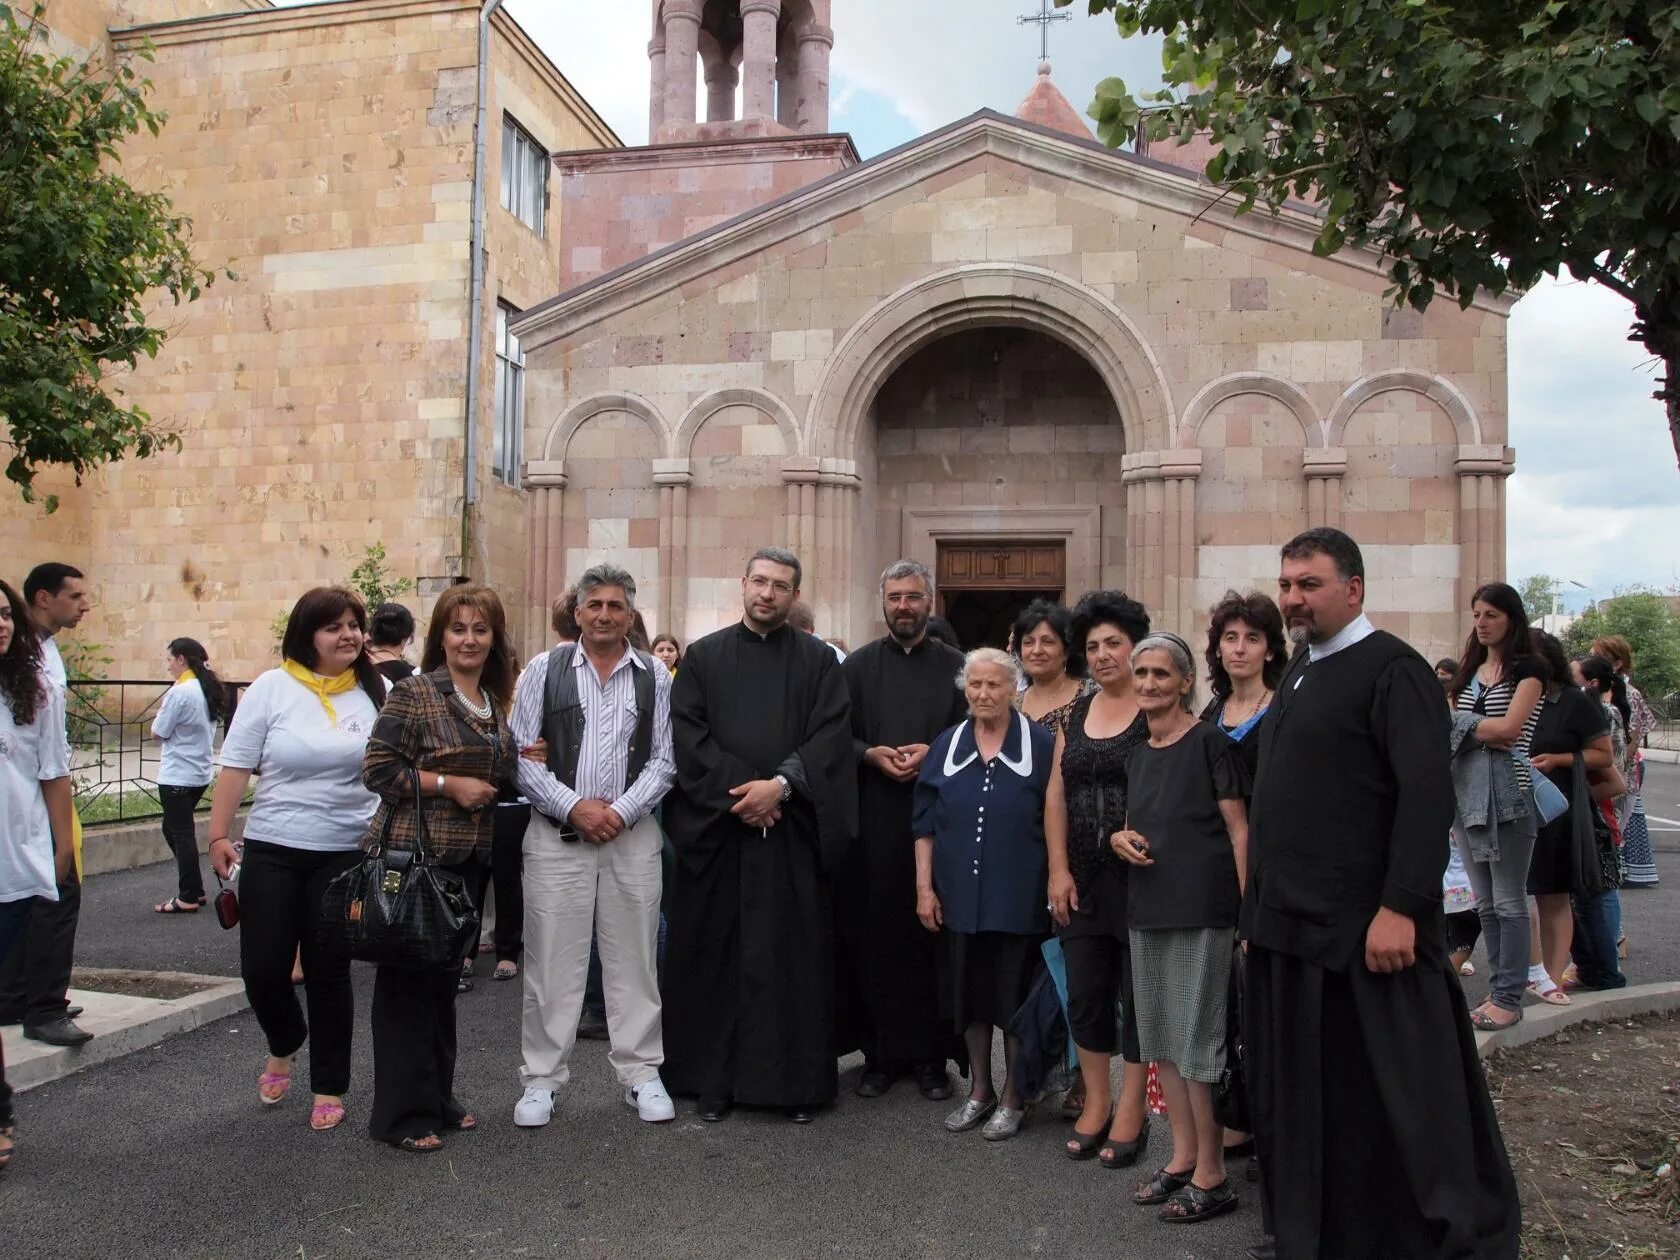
x: 507, y: 446
x: 524, y: 176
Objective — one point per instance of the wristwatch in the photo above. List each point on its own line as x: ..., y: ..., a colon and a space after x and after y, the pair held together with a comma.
x: 787, y: 788
x: 440, y: 785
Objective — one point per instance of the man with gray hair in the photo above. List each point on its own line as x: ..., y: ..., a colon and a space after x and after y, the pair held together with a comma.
x: 592, y: 852
x: 904, y: 694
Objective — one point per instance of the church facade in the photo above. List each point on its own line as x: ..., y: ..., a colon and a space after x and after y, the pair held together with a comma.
x: 1035, y: 364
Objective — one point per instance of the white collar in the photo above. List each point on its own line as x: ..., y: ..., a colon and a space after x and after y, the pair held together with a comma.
x: 1023, y: 766
x: 1356, y: 630
x: 580, y: 658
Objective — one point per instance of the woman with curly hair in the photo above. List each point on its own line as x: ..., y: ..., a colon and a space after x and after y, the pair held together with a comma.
x: 35, y: 808
x: 1246, y: 656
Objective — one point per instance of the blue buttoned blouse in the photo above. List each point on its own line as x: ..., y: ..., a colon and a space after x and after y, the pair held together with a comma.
x: 987, y: 822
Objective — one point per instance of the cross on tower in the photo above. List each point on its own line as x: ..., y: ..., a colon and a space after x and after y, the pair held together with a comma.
x: 1042, y: 20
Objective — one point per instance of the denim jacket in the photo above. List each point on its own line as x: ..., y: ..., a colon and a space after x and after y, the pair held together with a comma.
x: 1485, y: 788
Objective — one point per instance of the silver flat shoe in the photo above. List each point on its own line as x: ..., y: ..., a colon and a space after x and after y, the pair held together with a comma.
x: 969, y: 1114
x: 1004, y: 1124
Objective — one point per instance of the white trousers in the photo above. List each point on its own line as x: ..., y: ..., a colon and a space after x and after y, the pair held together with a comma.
x: 572, y: 890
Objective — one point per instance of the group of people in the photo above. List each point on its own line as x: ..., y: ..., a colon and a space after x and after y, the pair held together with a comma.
x: 766, y: 854
x: 1546, y: 775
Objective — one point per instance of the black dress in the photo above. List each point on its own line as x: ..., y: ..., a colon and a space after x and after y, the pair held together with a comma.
x: 1569, y: 721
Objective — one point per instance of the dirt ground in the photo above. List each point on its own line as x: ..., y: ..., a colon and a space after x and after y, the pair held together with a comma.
x: 1592, y: 1121
x: 145, y: 984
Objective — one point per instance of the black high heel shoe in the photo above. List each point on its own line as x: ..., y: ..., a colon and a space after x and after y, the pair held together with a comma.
x: 1084, y: 1145
x: 1124, y: 1154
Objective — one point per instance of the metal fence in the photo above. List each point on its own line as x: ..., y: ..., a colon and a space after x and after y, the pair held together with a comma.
x: 114, y: 759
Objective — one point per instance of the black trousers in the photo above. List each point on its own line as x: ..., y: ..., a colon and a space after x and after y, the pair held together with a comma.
x: 180, y: 833
x: 414, y: 1046
x: 1099, y: 975
x: 506, y: 873
x: 1464, y: 929
x: 34, y: 982
x: 279, y: 912
x: 13, y: 915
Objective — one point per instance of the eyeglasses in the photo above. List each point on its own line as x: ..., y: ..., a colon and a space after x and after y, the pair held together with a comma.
x: 759, y: 582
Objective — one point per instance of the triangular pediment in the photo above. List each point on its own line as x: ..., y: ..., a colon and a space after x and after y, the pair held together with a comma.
x: 1041, y: 151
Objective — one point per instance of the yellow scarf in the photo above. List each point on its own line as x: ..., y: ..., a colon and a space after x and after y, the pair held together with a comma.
x: 322, y: 687
x: 187, y: 676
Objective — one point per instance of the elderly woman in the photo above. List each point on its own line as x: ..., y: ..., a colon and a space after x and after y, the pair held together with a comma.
x: 978, y: 813
x: 1186, y: 839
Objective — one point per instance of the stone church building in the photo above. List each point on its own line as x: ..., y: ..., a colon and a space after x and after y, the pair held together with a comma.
x: 1034, y: 363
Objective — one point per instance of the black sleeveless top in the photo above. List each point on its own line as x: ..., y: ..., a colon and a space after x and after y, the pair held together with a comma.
x: 1094, y: 786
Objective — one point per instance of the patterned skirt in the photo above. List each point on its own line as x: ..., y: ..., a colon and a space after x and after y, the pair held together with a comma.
x: 1179, y: 979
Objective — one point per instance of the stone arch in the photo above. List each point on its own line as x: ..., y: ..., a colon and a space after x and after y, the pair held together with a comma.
x: 982, y: 294
x: 560, y: 433
x: 1276, y: 388
x: 1441, y: 392
x: 683, y: 440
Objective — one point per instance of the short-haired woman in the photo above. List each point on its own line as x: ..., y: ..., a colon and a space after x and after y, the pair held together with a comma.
x: 304, y: 726
x: 1246, y: 657
x: 444, y: 735
x: 978, y: 819
x: 1043, y: 638
x: 390, y: 631
x: 185, y: 726
x: 1186, y: 838
x: 1084, y: 806
x: 1639, y: 861
x: 36, y: 856
x: 668, y: 648
x: 1501, y: 681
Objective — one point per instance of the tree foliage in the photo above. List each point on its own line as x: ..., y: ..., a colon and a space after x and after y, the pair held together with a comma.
x: 1479, y: 145
x: 1646, y: 620
x: 1537, y: 592
x: 83, y: 256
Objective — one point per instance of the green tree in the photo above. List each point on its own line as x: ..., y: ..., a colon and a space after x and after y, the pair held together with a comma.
x: 1478, y: 146
x: 84, y: 256
x: 1646, y: 620
x: 1537, y: 593
x: 371, y: 579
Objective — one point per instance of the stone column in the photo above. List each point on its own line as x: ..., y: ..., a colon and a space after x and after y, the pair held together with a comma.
x: 811, y: 100
x: 673, y: 477
x: 830, y: 564
x: 758, y: 57
x: 1481, y: 515
x: 545, y: 479
x: 1140, y: 475
x: 656, y: 83
x: 1324, y: 467
x: 799, y: 475
x: 682, y: 64
x: 721, y: 78
x: 1179, y: 473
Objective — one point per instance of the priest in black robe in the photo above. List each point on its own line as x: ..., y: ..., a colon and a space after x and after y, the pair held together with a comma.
x: 763, y: 811
x: 904, y: 695
x: 1376, y: 1135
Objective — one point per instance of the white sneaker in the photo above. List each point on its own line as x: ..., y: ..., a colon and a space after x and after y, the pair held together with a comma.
x: 534, y: 1109
x: 651, y: 1101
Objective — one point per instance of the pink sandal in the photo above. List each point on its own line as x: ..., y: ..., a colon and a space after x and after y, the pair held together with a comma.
x: 1555, y: 995
x: 326, y: 1115
x: 272, y: 1087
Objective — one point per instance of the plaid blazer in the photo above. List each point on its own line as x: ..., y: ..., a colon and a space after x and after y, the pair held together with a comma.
x: 425, y: 726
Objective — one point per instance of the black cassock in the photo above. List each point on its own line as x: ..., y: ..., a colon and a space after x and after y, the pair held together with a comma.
x: 888, y: 974
x: 748, y: 987
x: 1376, y: 1135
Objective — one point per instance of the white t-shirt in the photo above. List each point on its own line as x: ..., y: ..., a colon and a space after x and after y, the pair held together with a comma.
x: 52, y: 663
x: 310, y: 794
x: 183, y: 724
x: 30, y: 755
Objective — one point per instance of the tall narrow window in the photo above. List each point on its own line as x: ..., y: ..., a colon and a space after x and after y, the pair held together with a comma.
x: 508, y: 447
x: 524, y: 176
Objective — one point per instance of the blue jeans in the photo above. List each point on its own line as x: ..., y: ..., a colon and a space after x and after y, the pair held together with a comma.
x: 1598, y: 922
x: 1501, y: 890
x: 13, y: 916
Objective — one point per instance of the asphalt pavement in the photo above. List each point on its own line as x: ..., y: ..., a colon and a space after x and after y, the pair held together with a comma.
x: 168, y: 1152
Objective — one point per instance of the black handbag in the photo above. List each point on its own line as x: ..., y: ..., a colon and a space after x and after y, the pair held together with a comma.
x: 1595, y: 866
x: 1230, y: 1092
x: 397, y: 908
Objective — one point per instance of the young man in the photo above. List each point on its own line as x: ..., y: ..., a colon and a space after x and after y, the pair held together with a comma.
x: 1376, y: 1135
x: 763, y: 811
x: 593, y: 847
x: 903, y: 694
x: 35, y: 982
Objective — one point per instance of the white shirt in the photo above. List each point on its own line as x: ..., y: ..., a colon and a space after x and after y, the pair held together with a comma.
x: 609, y: 716
x: 29, y: 756
x: 183, y: 725
x: 52, y: 663
x: 310, y: 795
x: 832, y: 647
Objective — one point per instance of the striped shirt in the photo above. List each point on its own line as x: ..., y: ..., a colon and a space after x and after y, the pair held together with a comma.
x: 609, y: 714
x: 1495, y: 701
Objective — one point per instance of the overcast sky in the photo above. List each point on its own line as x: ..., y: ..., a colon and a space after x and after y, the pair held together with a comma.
x: 1596, y: 499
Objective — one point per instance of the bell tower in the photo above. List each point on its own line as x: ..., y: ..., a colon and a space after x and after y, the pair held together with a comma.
x: 764, y: 64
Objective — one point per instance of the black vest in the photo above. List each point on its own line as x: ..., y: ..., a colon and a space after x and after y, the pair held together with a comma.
x: 563, y: 719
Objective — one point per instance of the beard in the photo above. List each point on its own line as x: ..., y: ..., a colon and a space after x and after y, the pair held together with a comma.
x: 906, y: 629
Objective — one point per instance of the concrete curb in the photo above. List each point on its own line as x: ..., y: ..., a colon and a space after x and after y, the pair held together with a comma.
x: 124, y: 846
x: 1543, y: 1020
x: 1666, y: 755
x: 121, y: 1025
